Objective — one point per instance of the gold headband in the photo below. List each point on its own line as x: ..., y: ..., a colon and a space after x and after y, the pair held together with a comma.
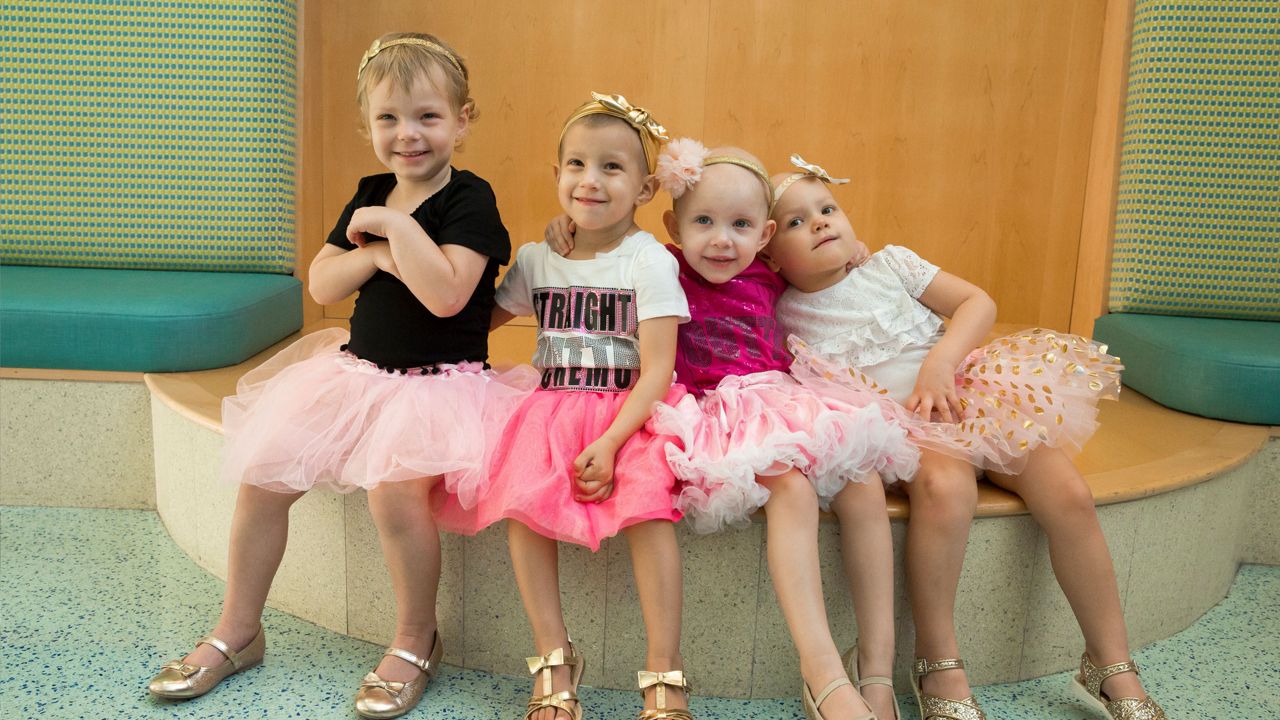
x: 807, y: 170
x: 378, y: 46
x: 752, y: 167
x: 651, y: 133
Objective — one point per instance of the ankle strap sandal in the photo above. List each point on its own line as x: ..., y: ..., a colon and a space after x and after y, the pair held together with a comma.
x: 1088, y: 688
x: 660, y: 681
x: 933, y: 707
x: 851, y: 667
x: 564, y: 701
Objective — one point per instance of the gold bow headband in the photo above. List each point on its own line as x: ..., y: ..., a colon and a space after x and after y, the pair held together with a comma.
x: 378, y: 46
x: 651, y: 133
x: 751, y: 167
x: 807, y: 170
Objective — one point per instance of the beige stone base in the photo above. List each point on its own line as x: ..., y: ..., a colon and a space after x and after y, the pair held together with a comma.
x: 1175, y: 555
x: 74, y: 443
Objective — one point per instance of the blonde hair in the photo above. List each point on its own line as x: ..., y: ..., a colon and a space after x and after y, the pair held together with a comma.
x: 407, y: 63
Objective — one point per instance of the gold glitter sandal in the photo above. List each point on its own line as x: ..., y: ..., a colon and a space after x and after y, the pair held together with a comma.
x: 659, y: 681
x: 178, y: 680
x: 851, y: 667
x: 380, y: 699
x: 933, y: 707
x: 566, y: 701
x: 1087, y: 686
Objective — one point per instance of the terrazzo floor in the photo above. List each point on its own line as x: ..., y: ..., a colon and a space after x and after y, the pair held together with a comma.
x: 93, y: 601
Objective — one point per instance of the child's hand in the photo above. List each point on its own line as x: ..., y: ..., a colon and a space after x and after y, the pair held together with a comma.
x: 935, y: 391
x: 860, y: 255
x: 380, y: 251
x: 373, y: 220
x: 593, y: 472
x: 559, y: 234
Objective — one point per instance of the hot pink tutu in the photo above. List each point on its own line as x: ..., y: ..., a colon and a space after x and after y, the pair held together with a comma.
x: 1020, y: 392
x: 316, y: 415
x: 532, y: 472
x: 766, y: 423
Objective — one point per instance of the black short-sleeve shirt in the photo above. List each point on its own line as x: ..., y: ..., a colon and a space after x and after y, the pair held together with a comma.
x: 390, y: 326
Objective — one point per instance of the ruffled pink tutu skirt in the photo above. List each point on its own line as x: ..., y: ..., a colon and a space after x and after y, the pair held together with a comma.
x: 766, y: 424
x: 532, y: 472
x: 316, y: 415
x: 1031, y: 389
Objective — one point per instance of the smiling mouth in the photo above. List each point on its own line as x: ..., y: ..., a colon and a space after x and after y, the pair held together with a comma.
x: 413, y: 154
x: 720, y: 260
x: 825, y: 240
x: 588, y: 201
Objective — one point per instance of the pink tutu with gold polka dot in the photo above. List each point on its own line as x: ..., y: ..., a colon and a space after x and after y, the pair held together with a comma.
x: 1031, y: 389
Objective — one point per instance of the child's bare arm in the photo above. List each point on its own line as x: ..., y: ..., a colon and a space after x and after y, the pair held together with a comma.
x: 336, y: 273
x: 594, y: 466
x: 972, y: 314
x: 442, y: 278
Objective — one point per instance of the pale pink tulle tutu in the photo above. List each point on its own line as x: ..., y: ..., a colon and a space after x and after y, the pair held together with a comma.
x: 1022, y: 391
x: 316, y: 415
x: 765, y: 424
x: 532, y: 472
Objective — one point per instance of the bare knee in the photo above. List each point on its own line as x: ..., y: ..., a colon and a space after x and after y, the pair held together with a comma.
x: 947, y: 494
x: 1073, y: 498
x: 861, y: 501
x: 792, y: 492
x: 400, y: 506
x: 256, y: 500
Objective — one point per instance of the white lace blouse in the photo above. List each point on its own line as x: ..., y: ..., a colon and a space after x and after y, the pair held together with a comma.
x: 871, y: 315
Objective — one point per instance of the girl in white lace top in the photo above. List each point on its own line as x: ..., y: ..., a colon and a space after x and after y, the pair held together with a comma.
x: 1016, y: 408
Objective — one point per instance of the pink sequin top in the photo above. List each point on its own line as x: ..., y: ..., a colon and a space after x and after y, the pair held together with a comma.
x: 732, y: 330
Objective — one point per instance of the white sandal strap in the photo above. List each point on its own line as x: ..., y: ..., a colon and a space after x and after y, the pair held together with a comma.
x: 874, y: 680
x: 830, y: 688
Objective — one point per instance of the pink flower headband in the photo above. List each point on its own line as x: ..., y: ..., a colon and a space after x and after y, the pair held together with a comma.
x: 681, y: 162
x: 807, y: 170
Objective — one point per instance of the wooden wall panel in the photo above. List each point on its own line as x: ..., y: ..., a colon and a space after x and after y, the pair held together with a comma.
x: 966, y: 126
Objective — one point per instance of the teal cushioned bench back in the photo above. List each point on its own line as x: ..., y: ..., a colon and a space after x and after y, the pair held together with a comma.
x: 148, y: 135
x: 1198, y: 215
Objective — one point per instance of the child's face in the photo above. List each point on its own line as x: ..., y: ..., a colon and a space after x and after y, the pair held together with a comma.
x: 602, y: 177
x: 414, y: 134
x: 814, y: 235
x: 721, y: 223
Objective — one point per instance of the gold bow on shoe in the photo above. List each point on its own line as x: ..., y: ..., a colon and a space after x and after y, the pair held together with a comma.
x: 660, y: 680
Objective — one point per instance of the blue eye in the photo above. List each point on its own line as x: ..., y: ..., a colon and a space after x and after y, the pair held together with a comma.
x: 828, y: 209
x: 386, y: 116
x: 702, y: 220
x: 612, y: 166
x: 794, y: 222
x: 742, y: 223
x: 573, y: 162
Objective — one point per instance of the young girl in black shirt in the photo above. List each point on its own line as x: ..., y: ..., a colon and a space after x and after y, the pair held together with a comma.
x: 404, y: 406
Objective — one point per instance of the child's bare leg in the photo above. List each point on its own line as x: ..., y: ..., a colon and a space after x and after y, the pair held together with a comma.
x: 411, y: 546
x: 866, y: 545
x: 1061, y: 501
x: 259, y: 531
x: 535, y: 560
x: 944, y: 496
x: 792, y: 512
x: 655, y: 561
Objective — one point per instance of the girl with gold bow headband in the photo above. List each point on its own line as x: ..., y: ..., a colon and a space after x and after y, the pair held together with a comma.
x: 576, y: 463
x: 1017, y: 409
x: 752, y: 437
x: 403, y: 405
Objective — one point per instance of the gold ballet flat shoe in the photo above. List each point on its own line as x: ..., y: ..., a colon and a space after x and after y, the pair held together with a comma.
x: 565, y: 701
x: 660, y: 680
x: 851, y: 667
x: 379, y: 699
x: 1087, y: 686
x: 178, y: 680
x: 933, y: 707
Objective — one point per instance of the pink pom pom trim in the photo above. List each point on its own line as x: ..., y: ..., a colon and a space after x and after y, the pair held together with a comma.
x: 680, y: 165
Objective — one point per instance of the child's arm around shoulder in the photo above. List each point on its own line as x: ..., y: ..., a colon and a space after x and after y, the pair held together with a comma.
x: 972, y: 314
